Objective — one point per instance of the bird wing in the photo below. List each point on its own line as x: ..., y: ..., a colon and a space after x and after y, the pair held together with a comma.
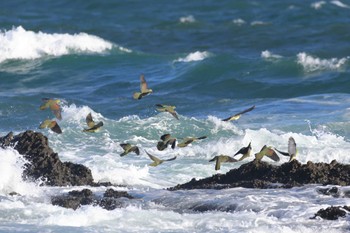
x: 203, y: 137
x: 156, y: 161
x: 89, y: 121
x: 218, y: 163
x: 137, y: 95
x: 161, y: 145
x: 46, y: 103
x: 241, y: 151
x: 44, y: 124
x: 172, y: 142
x: 292, y: 146
x: 125, y: 146
x: 238, y: 115
x: 165, y: 137
x: 136, y: 150
x: 55, y: 127
x: 143, y: 84
x: 174, y: 114
x: 272, y: 154
x: 282, y: 153
x: 170, y: 159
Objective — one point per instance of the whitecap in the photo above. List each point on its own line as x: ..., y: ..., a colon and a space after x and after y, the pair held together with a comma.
x: 311, y: 63
x: 19, y: 43
x: 268, y: 55
x: 238, y: 21
x: 318, y: 5
x: 187, y: 19
x: 340, y: 4
x: 196, y: 56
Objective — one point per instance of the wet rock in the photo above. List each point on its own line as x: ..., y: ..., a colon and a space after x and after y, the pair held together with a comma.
x: 333, y: 191
x: 332, y: 213
x: 260, y: 174
x: 111, y: 199
x: 44, y: 164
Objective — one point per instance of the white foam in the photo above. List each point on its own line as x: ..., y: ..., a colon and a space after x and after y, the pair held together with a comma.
x: 239, y: 21
x: 318, y: 5
x: 340, y: 4
x: 311, y: 63
x: 187, y: 19
x: 19, y: 43
x: 268, y: 55
x: 11, y: 168
x: 196, y: 56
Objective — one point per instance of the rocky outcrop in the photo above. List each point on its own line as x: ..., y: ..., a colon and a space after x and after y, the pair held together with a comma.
x: 333, y: 212
x: 259, y: 174
x: 44, y: 164
x: 111, y: 199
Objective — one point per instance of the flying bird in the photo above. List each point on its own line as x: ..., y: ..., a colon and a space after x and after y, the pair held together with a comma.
x: 144, y: 89
x: 222, y: 159
x: 245, y: 151
x: 269, y: 152
x: 238, y: 115
x: 188, y: 140
x: 53, y: 104
x: 91, y: 124
x: 292, y: 149
x: 167, y: 108
x: 157, y: 161
x: 51, y: 125
x: 129, y: 148
x: 166, y: 140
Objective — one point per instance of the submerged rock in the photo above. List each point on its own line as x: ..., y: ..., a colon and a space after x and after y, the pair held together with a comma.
x: 332, y: 213
x: 259, y: 174
x: 111, y: 199
x: 44, y: 164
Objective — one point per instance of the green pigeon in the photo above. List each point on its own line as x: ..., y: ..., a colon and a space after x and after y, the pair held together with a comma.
x: 167, y: 108
x: 292, y: 150
x: 245, y: 151
x: 188, y: 140
x: 54, y: 106
x: 144, y: 89
x: 91, y: 124
x: 269, y: 152
x: 166, y: 140
x: 222, y: 159
x: 129, y: 148
x: 51, y: 125
x: 238, y: 115
x: 157, y: 161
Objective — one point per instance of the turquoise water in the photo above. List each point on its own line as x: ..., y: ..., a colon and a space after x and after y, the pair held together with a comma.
x: 211, y: 59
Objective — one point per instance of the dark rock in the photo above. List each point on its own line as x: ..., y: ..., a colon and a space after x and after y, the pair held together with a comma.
x: 74, y: 199
x: 332, y: 213
x: 333, y: 191
x: 111, y: 199
x: 43, y: 164
x: 259, y: 174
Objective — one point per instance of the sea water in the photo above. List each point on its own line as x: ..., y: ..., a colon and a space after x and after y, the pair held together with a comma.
x: 211, y: 59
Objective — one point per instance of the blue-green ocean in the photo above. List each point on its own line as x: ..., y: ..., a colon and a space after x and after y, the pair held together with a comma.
x: 210, y: 59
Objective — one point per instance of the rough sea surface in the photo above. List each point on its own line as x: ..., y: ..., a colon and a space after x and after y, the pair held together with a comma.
x: 211, y: 59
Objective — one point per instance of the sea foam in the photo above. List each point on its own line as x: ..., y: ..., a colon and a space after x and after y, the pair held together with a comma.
x: 19, y: 43
x: 196, y: 56
x: 311, y: 63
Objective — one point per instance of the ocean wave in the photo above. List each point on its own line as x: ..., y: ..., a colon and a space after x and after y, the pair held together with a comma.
x: 318, y: 5
x: 268, y: 55
x: 19, y: 43
x: 311, y: 64
x: 196, y: 56
x: 187, y: 19
x: 340, y: 4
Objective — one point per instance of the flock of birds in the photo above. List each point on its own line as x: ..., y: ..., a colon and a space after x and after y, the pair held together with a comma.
x: 166, y: 139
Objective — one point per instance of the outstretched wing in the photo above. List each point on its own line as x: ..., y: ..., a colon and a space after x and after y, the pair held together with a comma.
x: 165, y: 137
x: 292, y: 146
x: 89, y: 121
x: 143, y: 84
x: 170, y: 159
x: 125, y: 146
x: 272, y: 154
x: 238, y: 115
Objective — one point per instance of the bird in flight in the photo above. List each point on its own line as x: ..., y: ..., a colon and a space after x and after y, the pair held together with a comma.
x: 245, y: 151
x: 188, y: 140
x: 267, y: 151
x: 129, y: 148
x: 167, y: 108
x: 157, y: 161
x: 93, y: 127
x: 53, y: 104
x: 292, y: 149
x: 238, y: 115
x: 166, y: 140
x: 53, y: 125
x: 144, y: 89
x: 222, y: 159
